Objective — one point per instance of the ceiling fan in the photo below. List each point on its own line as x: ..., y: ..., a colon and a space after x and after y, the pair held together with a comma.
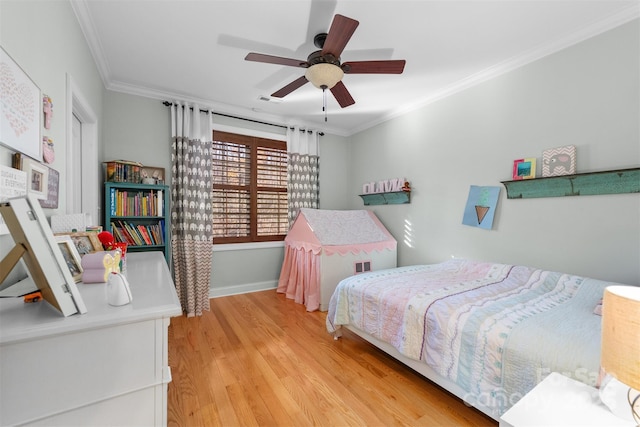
x: 324, y: 69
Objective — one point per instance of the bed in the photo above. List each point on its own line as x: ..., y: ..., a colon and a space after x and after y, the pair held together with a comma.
x: 486, y: 332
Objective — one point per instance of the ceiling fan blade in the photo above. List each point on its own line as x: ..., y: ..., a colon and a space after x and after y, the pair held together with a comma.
x: 290, y: 87
x: 342, y: 95
x: 270, y: 59
x: 374, y: 67
x: 341, y: 30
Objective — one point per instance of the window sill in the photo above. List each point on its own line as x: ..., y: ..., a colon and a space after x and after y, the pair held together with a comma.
x: 247, y: 246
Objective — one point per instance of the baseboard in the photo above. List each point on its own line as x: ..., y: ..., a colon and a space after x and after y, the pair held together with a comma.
x: 242, y: 289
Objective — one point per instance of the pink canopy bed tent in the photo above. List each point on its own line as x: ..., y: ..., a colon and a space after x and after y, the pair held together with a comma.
x: 325, y: 246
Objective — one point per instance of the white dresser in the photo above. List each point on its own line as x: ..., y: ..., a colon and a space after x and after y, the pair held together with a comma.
x: 106, y: 367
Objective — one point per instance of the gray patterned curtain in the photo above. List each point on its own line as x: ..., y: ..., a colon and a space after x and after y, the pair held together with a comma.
x: 303, y: 169
x: 191, y: 234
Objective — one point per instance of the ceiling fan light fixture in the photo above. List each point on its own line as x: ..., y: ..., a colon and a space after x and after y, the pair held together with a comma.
x: 324, y: 75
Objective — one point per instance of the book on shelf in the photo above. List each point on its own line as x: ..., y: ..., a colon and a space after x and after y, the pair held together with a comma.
x: 123, y: 171
x: 143, y: 233
x: 136, y: 202
x: 139, y: 235
x: 159, y: 202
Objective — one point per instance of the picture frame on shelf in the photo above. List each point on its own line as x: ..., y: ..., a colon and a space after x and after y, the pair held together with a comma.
x: 85, y: 242
x: 37, y: 177
x: 53, y: 184
x: 524, y: 168
x: 71, y: 256
x: 559, y: 161
x: 20, y: 109
x: 51, y: 201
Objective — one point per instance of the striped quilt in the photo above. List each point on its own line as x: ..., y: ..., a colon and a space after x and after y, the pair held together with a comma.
x: 495, y: 330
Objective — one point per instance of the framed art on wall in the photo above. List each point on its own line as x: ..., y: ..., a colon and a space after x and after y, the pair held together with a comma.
x: 20, y: 106
x: 481, y: 206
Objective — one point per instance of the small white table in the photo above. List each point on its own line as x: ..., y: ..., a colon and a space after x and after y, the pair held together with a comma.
x: 561, y: 401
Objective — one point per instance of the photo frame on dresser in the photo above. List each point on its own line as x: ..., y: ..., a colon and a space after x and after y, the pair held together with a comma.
x: 36, y: 245
x: 71, y: 256
x: 85, y: 242
x: 20, y: 109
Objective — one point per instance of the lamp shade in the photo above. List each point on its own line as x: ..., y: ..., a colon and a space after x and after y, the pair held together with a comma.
x: 324, y: 75
x: 620, y: 352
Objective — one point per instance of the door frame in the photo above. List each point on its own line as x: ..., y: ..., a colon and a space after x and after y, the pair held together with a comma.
x: 89, y: 171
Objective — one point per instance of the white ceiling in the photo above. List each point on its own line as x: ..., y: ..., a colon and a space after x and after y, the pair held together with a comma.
x: 194, y: 50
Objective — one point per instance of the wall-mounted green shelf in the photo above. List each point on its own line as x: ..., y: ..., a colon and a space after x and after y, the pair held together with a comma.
x: 582, y: 184
x: 391, y: 198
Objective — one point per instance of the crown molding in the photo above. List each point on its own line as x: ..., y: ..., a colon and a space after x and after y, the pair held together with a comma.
x: 87, y: 27
x: 582, y: 34
x: 217, y: 107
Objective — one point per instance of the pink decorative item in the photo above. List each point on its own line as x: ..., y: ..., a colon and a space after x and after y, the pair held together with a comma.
x: 47, y: 150
x: 97, y: 266
x: 47, y: 108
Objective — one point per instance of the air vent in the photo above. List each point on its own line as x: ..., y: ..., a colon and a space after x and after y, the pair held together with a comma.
x: 265, y: 98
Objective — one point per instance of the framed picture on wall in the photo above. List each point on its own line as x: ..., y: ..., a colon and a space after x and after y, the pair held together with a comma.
x: 20, y: 107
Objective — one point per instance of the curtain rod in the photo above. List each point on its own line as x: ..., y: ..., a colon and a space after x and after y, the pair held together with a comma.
x: 168, y: 104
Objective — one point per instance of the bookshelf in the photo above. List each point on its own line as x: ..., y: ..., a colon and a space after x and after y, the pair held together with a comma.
x: 138, y: 214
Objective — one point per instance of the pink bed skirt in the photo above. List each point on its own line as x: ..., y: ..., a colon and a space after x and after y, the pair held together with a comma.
x: 300, y: 277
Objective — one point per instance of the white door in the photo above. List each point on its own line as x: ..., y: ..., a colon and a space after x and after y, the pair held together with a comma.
x: 82, y: 166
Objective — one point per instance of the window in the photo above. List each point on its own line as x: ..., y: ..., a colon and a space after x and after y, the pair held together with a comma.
x: 249, y: 188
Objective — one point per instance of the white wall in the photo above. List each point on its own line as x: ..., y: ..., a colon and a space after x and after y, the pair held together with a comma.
x: 586, y: 95
x: 139, y: 129
x: 44, y: 38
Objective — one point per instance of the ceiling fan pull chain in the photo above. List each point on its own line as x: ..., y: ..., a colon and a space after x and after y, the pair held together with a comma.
x: 324, y: 102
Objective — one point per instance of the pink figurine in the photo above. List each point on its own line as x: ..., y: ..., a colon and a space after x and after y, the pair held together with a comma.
x: 48, y: 111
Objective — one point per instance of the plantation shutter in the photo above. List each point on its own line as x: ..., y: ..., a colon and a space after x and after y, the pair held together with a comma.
x: 249, y: 188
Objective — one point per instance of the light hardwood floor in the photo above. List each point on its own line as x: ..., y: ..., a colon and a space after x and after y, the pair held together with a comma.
x: 259, y: 359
